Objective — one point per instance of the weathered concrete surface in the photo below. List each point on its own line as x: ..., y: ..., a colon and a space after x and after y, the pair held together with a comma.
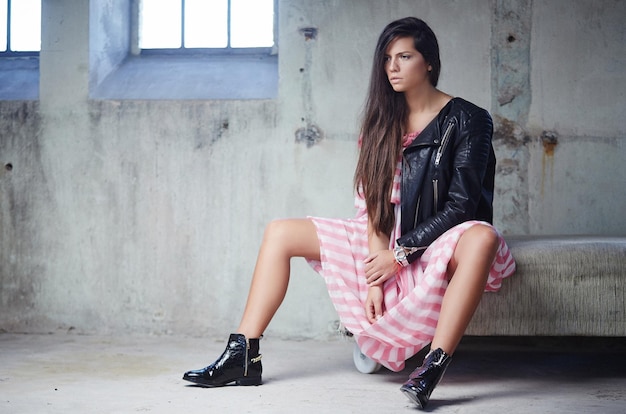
x: 145, y: 216
x: 68, y: 373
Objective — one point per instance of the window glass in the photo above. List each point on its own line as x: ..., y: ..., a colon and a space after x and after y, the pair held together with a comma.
x: 3, y: 25
x: 25, y: 35
x: 252, y: 23
x: 206, y: 24
x: 160, y: 24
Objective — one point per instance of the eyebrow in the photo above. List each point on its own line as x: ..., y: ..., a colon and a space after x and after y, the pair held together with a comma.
x: 401, y: 53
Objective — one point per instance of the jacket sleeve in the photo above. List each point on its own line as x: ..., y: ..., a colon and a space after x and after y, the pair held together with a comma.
x: 471, y: 152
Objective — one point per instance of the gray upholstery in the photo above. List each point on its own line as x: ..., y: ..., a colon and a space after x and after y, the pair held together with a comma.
x: 564, y: 285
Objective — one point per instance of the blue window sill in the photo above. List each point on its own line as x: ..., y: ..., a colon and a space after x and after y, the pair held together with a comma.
x: 192, y: 77
x: 19, y: 78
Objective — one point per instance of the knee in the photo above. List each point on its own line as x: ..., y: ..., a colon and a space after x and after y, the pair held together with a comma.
x: 275, y: 230
x: 484, y: 238
x: 479, y: 242
x: 291, y: 238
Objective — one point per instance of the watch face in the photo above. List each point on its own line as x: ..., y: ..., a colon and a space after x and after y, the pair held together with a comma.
x: 400, y: 253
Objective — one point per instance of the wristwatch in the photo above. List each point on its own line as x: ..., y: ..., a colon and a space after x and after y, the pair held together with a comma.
x: 400, y: 254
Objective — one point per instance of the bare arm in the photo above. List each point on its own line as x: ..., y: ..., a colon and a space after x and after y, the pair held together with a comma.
x: 380, y: 265
x: 376, y: 241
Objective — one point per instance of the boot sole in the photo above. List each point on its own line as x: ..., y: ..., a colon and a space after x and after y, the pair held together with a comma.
x: 244, y: 382
x: 412, y: 396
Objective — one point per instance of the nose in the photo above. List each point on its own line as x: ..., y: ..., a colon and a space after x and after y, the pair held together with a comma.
x: 393, y: 64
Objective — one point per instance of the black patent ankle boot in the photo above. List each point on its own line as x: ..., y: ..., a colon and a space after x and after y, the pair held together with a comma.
x: 240, y: 363
x: 424, y: 379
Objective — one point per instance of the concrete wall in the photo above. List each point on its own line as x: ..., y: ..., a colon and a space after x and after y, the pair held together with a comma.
x: 145, y: 216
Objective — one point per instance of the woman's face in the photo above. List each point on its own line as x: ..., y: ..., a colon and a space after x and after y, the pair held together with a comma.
x: 405, y: 67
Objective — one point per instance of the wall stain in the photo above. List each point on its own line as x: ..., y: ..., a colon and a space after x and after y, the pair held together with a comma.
x: 549, y: 140
x: 509, y: 133
x: 510, y: 61
x: 309, y: 33
x: 23, y: 189
x: 211, y: 128
x: 310, y: 134
x: 216, y: 131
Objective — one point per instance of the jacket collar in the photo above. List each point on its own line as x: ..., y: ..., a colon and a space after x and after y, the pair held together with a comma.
x: 433, y: 130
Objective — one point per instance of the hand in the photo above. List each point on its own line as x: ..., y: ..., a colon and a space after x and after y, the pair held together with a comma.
x: 379, y: 267
x: 374, y: 303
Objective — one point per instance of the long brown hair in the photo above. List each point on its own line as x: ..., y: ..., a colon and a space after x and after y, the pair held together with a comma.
x: 384, y: 122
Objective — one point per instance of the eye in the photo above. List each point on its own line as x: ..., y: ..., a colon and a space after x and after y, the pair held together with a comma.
x: 405, y: 57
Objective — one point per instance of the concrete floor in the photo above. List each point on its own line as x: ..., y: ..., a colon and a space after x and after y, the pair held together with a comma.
x: 69, y: 373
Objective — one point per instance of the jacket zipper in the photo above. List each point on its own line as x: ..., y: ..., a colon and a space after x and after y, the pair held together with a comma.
x: 444, y: 141
x: 245, y: 369
x: 442, y: 147
x: 417, y: 209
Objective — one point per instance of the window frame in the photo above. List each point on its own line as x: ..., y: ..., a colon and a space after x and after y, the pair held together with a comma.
x: 8, y: 53
x: 188, y: 51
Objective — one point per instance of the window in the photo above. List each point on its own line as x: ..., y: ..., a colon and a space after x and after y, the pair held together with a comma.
x: 217, y: 25
x: 20, y: 27
x: 20, y: 43
x: 189, y: 49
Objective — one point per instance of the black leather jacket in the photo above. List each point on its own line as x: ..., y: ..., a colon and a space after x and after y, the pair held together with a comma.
x: 447, y: 175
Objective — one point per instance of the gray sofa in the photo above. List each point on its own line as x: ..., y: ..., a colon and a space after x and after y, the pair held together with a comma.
x: 563, y: 286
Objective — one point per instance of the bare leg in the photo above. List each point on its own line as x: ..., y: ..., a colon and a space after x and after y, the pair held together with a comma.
x: 469, y: 268
x: 240, y: 363
x: 283, y: 240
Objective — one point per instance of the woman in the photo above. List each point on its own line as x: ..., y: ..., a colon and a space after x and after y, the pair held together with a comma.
x: 411, y: 268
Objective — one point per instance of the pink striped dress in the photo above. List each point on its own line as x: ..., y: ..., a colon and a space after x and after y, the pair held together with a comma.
x: 412, y: 299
